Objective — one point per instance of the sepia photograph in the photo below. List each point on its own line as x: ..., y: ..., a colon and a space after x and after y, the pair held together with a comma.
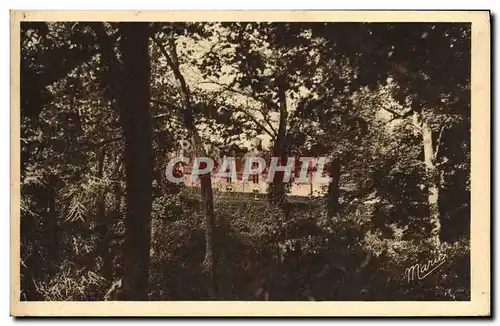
x: 261, y: 163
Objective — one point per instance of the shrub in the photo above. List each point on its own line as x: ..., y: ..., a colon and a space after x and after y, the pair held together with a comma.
x: 73, y: 284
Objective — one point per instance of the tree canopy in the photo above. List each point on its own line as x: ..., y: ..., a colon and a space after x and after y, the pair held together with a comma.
x: 105, y: 105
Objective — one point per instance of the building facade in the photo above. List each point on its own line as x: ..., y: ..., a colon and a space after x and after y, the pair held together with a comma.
x: 256, y: 183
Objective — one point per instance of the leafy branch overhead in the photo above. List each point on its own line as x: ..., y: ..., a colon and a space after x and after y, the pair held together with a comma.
x: 106, y: 105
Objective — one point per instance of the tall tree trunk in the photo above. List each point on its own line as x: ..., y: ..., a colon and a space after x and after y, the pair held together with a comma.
x: 433, y: 186
x: 116, y: 215
x: 159, y: 170
x: 208, y: 211
x: 209, y: 267
x: 333, y: 188
x: 277, y: 191
x: 51, y: 230
x: 135, y: 118
x: 102, y: 228
x: 31, y: 265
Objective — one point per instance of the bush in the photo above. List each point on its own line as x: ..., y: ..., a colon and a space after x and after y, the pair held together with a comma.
x: 73, y: 284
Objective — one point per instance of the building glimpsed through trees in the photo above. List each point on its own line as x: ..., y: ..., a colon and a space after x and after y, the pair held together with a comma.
x: 103, y: 104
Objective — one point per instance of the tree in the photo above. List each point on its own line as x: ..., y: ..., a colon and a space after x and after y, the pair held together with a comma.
x: 388, y: 104
x: 199, y: 151
x: 429, y: 86
x: 50, y: 53
x: 129, y: 86
x: 135, y: 118
x: 266, y: 66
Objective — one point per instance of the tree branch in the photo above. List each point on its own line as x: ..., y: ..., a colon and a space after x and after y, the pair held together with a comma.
x: 397, y: 115
x: 271, y: 131
x: 257, y: 122
x: 438, y: 142
x: 166, y: 104
x: 237, y: 91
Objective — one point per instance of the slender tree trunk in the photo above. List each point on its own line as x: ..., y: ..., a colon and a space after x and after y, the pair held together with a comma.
x: 433, y: 186
x: 135, y: 118
x: 102, y: 228
x: 33, y: 236
x: 117, y: 202
x: 51, y: 229
x: 159, y: 171
x: 333, y: 188
x: 277, y: 190
x: 32, y: 266
x: 115, y: 215
x: 209, y: 267
x: 208, y: 211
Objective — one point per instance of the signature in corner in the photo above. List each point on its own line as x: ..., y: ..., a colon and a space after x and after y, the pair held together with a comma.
x: 421, y: 271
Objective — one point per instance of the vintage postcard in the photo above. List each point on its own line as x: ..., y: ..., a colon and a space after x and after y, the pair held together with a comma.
x: 250, y: 163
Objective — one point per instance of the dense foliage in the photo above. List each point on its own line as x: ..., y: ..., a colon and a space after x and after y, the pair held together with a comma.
x: 104, y: 106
